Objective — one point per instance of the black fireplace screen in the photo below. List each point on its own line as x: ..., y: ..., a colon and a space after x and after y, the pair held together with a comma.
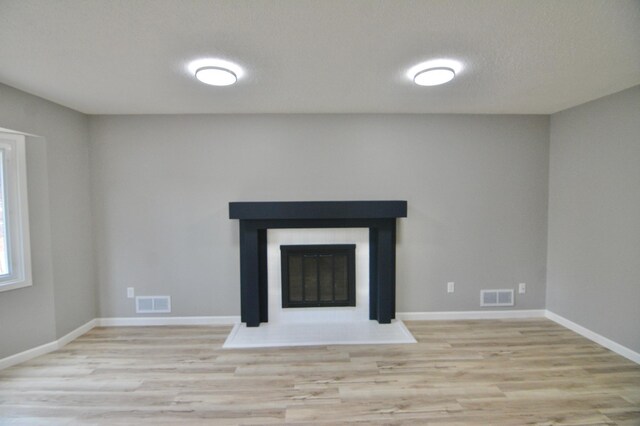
x: 318, y: 275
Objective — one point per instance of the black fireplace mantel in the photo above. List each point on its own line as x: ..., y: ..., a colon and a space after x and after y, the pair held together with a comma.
x: 256, y: 217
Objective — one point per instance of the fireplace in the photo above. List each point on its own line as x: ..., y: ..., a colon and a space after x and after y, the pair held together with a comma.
x: 316, y: 276
x: 257, y: 217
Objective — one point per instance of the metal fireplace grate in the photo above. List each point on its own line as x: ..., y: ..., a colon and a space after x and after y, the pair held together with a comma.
x: 318, y: 275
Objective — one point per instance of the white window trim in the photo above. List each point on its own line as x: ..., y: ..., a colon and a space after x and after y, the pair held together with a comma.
x: 17, y: 212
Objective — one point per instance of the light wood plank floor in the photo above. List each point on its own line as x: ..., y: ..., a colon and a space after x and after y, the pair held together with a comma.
x: 502, y: 372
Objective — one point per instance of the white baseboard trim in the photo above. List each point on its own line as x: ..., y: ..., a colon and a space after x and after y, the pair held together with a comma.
x: 47, y: 347
x: 235, y: 319
x: 70, y: 337
x: 146, y: 321
x: 28, y: 354
x: 595, y: 337
x: 470, y: 315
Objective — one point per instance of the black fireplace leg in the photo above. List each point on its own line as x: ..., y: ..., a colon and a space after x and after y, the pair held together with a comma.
x: 262, y: 276
x: 373, y: 273
x: 249, y: 275
x: 386, y: 274
x: 382, y: 272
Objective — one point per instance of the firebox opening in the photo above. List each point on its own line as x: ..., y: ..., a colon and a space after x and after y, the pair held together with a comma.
x: 318, y: 275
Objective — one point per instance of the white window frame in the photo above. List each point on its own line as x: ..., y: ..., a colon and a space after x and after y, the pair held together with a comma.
x: 16, y: 212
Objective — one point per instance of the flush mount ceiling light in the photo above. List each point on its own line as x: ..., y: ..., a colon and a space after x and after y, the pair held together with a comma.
x: 435, y: 71
x: 434, y: 76
x: 215, y: 71
x: 216, y: 76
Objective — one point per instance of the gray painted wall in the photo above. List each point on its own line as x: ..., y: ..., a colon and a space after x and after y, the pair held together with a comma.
x: 476, y: 187
x: 63, y: 295
x: 594, y: 217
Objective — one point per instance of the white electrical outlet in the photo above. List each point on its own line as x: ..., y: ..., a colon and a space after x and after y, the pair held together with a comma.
x: 130, y: 292
x: 522, y: 288
x: 450, y: 287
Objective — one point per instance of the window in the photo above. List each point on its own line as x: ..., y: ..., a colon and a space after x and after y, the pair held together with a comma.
x: 15, y: 253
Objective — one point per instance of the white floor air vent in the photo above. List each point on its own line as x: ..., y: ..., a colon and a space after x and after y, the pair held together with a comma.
x: 153, y: 304
x: 496, y: 297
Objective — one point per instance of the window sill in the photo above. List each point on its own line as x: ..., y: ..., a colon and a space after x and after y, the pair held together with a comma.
x: 14, y: 285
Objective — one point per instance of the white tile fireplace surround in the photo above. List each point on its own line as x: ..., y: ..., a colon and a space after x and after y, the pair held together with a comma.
x: 278, y: 237
x: 318, y: 326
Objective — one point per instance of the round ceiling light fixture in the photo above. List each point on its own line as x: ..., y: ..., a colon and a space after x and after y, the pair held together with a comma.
x: 434, y: 76
x: 216, y: 76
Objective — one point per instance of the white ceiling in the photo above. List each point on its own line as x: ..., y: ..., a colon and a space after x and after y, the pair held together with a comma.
x: 329, y: 56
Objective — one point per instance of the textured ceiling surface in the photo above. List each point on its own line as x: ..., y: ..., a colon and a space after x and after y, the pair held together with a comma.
x: 319, y: 56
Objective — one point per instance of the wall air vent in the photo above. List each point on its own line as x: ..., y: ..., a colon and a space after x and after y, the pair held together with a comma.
x: 496, y: 297
x: 153, y: 304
